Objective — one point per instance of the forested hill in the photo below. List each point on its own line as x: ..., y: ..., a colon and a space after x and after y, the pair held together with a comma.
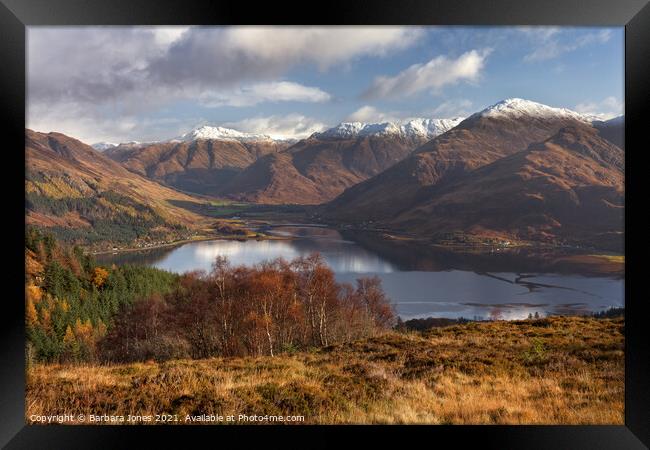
x: 86, y: 198
x: 70, y: 300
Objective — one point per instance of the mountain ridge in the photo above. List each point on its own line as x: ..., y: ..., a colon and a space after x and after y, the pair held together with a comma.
x: 483, y: 138
x: 420, y: 127
x: 567, y: 189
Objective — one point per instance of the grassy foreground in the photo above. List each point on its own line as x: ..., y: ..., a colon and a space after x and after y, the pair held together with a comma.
x: 548, y: 371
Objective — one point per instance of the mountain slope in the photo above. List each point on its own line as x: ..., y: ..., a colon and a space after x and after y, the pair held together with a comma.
x: 201, y: 166
x: 317, y: 169
x: 569, y: 188
x: 613, y: 130
x: 273, y: 179
x: 499, y: 130
x: 314, y: 171
x: 201, y: 160
x: 86, y: 197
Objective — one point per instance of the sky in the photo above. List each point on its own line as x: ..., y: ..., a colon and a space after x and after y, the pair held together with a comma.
x: 121, y: 84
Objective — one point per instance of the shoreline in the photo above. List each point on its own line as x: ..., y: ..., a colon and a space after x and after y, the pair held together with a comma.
x: 479, y: 246
x: 189, y: 241
x: 486, y: 248
x: 605, y: 262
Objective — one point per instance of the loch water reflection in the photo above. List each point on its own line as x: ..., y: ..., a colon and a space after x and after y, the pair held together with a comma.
x: 421, y: 281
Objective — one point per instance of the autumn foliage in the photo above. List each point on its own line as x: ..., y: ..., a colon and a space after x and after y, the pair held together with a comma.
x: 78, y: 311
x: 70, y: 301
x: 99, y: 277
x: 266, y: 309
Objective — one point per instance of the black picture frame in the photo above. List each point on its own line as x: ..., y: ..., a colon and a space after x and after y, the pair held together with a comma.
x: 634, y: 15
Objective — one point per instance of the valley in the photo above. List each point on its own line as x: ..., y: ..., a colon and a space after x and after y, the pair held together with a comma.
x: 489, y: 181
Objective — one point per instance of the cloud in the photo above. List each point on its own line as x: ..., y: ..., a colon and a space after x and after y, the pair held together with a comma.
x: 225, y: 55
x: 372, y: 115
x: 550, y: 43
x: 73, y: 120
x: 97, y: 64
x: 295, y: 126
x: 277, y: 91
x: 84, y: 64
x: 445, y: 110
x: 168, y: 35
x: 607, y: 108
x: 324, y: 46
x: 433, y: 75
x: 539, y: 33
x: 453, y: 108
x: 106, y: 72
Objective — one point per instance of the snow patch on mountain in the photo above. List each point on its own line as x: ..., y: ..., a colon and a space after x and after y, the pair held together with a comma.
x: 418, y: 127
x: 221, y: 133
x: 518, y: 108
x: 101, y: 146
x: 429, y: 128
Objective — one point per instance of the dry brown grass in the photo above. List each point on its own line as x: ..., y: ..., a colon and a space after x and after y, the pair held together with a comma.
x: 548, y: 371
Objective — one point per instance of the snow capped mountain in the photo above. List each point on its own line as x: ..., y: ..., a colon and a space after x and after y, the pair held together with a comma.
x: 132, y: 144
x: 419, y: 127
x: 514, y: 108
x: 354, y: 129
x: 101, y: 146
x: 430, y: 127
x: 342, y: 130
x: 518, y: 108
x: 221, y: 133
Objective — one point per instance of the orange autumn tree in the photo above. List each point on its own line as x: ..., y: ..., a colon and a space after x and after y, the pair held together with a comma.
x: 34, y: 294
x: 264, y: 309
x: 99, y: 277
x: 86, y: 336
x: 71, y: 346
x: 31, y: 314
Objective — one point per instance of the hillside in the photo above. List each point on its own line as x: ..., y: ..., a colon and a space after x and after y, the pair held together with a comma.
x: 223, y: 162
x: 317, y: 169
x: 499, y: 130
x: 202, y: 165
x: 569, y: 188
x: 562, y: 370
x: 85, y: 197
x: 612, y: 130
